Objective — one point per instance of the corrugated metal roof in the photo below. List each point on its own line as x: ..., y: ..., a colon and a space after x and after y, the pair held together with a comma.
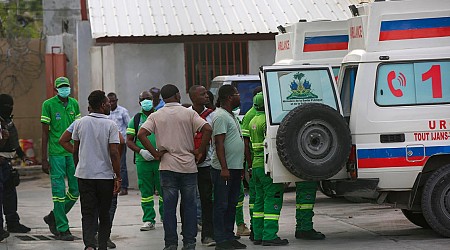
x: 114, y: 18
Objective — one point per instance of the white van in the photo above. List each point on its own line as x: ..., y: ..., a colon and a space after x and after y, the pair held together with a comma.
x: 395, y: 93
x: 308, y: 57
x: 245, y: 84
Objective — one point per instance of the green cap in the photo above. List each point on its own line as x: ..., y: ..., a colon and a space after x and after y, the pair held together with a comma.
x: 62, y: 81
x: 258, y: 102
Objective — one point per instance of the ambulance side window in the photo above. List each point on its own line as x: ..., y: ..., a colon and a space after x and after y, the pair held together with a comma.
x: 348, y: 86
x: 414, y: 83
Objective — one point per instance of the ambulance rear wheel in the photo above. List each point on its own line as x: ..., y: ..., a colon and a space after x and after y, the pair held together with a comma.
x: 415, y: 218
x: 436, y: 201
x: 313, y: 141
x: 326, y: 189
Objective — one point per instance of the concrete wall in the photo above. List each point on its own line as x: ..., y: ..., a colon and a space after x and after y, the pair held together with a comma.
x: 58, y: 12
x: 83, y: 67
x: 29, y: 90
x: 260, y: 53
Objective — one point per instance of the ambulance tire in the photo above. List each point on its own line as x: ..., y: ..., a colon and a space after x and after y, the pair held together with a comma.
x: 313, y: 141
x: 416, y: 218
x: 436, y: 201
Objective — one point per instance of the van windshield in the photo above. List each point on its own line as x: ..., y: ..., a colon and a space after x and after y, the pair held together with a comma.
x: 289, y: 88
x: 245, y: 89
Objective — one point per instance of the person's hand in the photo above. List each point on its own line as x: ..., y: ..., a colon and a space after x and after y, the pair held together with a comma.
x: 27, y: 161
x: 199, y: 156
x: 159, y: 154
x: 46, y: 166
x: 225, y: 174
x: 146, y: 155
x: 117, y: 184
x: 5, y: 134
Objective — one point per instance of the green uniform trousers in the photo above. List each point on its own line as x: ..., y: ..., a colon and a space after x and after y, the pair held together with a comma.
x: 305, y: 199
x: 63, y: 167
x: 240, y: 206
x: 251, y: 198
x: 148, y: 182
x: 268, y: 204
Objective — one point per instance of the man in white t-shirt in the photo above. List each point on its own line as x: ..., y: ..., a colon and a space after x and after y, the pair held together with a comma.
x: 97, y: 161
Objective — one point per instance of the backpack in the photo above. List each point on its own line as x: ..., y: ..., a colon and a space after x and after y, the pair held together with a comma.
x: 198, y: 136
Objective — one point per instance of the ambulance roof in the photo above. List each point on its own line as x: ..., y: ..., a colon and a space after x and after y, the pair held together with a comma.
x: 231, y: 78
x: 312, y: 42
x: 399, y: 25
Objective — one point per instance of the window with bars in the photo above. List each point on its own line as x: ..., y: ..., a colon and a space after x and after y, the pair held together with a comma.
x: 206, y: 60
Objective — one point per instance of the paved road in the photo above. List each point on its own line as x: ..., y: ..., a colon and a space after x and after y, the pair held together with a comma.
x: 346, y: 225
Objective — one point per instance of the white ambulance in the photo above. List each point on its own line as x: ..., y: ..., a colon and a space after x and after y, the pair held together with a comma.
x: 308, y: 58
x: 395, y: 92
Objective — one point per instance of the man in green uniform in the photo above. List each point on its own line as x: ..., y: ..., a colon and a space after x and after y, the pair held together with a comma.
x: 305, y: 198
x: 248, y: 158
x: 269, y: 195
x: 147, y: 166
x: 58, y: 113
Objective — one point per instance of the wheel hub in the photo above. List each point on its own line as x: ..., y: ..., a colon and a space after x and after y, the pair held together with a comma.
x: 316, y: 141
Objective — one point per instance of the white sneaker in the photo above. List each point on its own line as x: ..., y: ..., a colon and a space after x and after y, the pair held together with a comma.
x: 147, y: 226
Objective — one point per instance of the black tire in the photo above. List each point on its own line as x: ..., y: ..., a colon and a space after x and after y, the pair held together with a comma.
x: 313, y: 141
x: 416, y: 218
x: 436, y: 201
x: 326, y: 189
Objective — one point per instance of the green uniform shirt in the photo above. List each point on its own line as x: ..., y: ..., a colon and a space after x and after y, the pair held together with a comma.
x: 132, y: 131
x: 257, y: 135
x: 59, y: 119
x: 226, y: 123
x: 246, y: 120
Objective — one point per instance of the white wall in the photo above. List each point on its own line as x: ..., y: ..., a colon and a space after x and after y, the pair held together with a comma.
x: 260, y: 53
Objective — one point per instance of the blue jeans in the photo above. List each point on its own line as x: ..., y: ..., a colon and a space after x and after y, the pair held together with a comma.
x: 226, y: 195
x: 173, y: 183
x: 123, y: 169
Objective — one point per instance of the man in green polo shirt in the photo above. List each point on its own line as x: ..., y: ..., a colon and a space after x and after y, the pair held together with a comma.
x: 147, y: 166
x: 58, y: 113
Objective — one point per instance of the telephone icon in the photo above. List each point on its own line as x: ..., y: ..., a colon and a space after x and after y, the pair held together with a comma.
x: 402, y: 80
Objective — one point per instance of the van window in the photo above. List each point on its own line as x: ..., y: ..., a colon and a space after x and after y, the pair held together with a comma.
x: 245, y: 89
x: 415, y: 83
x: 289, y: 88
x: 347, y: 89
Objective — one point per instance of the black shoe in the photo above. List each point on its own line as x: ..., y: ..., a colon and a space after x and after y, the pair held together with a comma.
x: 65, y: 236
x: 50, y: 221
x: 189, y: 246
x: 110, y: 244
x: 171, y: 247
x: 252, y: 236
x: 257, y: 242
x: 3, y: 234
x: 237, y: 237
x: 309, y: 235
x: 237, y: 245
x: 226, y: 245
x: 275, y: 242
x: 18, y: 228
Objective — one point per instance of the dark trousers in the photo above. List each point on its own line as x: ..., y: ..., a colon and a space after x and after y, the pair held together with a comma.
x: 123, y: 168
x: 112, y: 210
x: 205, y: 189
x: 95, y: 196
x: 226, y: 195
x: 8, y: 195
x: 173, y: 183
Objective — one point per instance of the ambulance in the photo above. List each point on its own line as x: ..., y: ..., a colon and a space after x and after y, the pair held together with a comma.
x: 394, y: 87
x: 307, y: 62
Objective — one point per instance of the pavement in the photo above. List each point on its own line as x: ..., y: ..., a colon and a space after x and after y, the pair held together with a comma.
x: 346, y: 225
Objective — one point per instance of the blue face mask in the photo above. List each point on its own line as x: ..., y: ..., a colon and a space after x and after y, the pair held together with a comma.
x: 64, y: 92
x: 147, y: 105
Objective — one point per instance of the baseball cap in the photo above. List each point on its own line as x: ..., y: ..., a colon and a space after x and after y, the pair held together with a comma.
x: 258, y: 102
x: 62, y: 81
